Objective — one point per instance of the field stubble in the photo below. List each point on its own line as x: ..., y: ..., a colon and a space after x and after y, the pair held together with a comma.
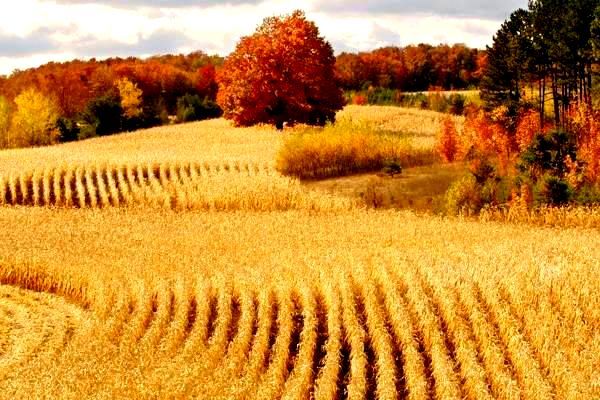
x: 130, y: 285
x: 291, y: 304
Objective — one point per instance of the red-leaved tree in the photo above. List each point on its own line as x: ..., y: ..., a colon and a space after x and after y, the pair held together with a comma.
x: 283, y: 73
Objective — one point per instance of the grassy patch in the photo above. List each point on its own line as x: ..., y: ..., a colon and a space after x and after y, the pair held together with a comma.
x: 419, y: 188
x: 347, y: 148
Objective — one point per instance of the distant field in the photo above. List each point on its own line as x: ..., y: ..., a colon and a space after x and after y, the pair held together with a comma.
x: 177, y: 263
x: 207, y: 165
x: 213, y: 142
x: 210, y: 141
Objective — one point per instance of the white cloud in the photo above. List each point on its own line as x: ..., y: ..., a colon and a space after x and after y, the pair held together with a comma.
x: 36, y: 31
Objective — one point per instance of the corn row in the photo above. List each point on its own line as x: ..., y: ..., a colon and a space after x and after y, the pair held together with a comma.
x: 504, y: 384
x: 443, y: 366
x: 414, y: 367
x: 300, y: 381
x: 356, y: 337
x: 326, y: 385
x: 102, y: 186
x: 535, y: 384
x: 271, y: 385
x: 472, y: 372
x: 259, y: 353
x: 380, y: 338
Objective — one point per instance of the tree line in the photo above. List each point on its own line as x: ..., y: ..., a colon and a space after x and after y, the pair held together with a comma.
x: 412, y: 68
x: 83, y: 99
x: 551, y: 47
x: 537, y: 139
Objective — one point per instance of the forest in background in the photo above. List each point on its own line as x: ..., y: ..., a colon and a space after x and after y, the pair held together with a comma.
x: 95, y: 98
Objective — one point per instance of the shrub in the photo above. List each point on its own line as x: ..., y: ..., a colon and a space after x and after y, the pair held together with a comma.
x: 194, y: 108
x: 68, y: 128
x: 549, y: 154
x: 554, y: 191
x: 464, y: 197
x: 346, y: 149
x: 102, y: 117
x: 392, y: 167
x: 482, y: 169
x: 448, y: 145
x: 457, y: 103
x: 588, y: 195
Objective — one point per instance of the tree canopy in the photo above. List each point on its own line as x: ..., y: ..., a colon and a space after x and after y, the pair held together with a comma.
x: 283, y: 73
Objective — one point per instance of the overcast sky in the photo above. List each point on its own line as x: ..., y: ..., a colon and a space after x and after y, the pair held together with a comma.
x: 33, y: 32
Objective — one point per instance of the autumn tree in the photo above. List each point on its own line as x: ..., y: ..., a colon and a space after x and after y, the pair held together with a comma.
x: 131, y: 98
x: 5, y: 113
x: 528, y: 127
x: 283, y: 73
x: 448, y: 142
x: 34, y: 121
x: 206, y: 82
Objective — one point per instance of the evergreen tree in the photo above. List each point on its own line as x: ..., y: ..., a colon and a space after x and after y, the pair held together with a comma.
x: 508, y: 61
x: 554, y: 43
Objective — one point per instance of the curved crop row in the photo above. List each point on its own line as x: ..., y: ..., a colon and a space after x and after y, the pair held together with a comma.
x: 377, y: 333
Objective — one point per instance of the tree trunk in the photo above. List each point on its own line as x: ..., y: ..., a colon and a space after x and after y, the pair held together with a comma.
x: 542, y: 101
x: 555, y: 100
x: 589, y: 85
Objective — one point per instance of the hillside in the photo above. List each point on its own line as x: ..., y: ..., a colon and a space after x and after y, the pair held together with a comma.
x: 163, y: 264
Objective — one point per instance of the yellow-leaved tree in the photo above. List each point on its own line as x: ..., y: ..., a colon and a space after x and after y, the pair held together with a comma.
x: 5, y: 111
x: 34, y: 121
x: 131, y: 98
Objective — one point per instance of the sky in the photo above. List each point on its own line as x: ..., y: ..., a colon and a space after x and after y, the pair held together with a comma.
x: 33, y: 32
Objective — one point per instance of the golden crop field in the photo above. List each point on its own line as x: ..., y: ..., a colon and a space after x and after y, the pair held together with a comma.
x: 176, y: 263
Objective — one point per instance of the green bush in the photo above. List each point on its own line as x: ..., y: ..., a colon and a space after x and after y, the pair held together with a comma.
x: 553, y: 191
x: 392, y: 167
x: 548, y: 155
x: 69, y: 130
x: 457, y: 103
x: 103, y: 116
x: 465, y: 196
x: 588, y: 195
x: 194, y: 108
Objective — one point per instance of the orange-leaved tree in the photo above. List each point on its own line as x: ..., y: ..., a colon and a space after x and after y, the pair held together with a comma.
x: 528, y: 127
x: 584, y: 121
x: 488, y: 136
x: 448, y: 141
x: 283, y: 73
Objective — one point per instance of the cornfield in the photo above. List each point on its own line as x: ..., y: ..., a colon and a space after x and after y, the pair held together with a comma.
x: 180, y: 186
x: 181, y: 278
